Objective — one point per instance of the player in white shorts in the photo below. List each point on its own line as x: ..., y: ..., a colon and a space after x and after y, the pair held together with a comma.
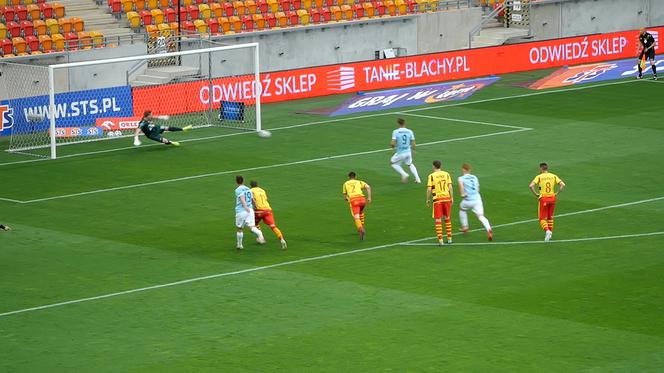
x: 469, y: 187
x: 403, y: 140
x: 244, y: 213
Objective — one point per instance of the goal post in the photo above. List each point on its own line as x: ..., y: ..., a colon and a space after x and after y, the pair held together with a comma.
x: 89, y: 102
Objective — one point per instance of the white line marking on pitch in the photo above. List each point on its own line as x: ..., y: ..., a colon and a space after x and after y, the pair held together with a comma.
x: 464, y: 103
x: 602, y: 238
x: 291, y: 262
x: 294, y: 163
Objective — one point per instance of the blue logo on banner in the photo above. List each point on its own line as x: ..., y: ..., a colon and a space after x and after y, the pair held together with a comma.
x: 72, y: 109
x: 411, y: 96
x: 230, y: 110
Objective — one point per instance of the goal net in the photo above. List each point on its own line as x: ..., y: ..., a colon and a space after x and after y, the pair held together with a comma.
x: 86, y: 103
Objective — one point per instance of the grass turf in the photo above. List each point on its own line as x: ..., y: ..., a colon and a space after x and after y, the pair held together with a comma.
x: 573, y: 306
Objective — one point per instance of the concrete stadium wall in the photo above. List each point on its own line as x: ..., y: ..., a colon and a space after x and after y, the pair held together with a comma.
x: 563, y: 18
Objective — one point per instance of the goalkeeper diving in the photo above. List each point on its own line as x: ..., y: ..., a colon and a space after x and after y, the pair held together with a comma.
x: 153, y: 131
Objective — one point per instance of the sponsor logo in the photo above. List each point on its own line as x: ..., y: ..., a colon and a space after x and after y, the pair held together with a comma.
x: 6, y: 117
x: 655, y: 35
x: 455, y: 92
x: 591, y: 74
x: 341, y: 79
x: 67, y: 132
x: 118, y: 124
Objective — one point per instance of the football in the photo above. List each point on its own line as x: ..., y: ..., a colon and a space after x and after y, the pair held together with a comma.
x: 264, y: 133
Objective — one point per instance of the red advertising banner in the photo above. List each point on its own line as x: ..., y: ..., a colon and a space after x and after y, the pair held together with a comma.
x: 390, y: 73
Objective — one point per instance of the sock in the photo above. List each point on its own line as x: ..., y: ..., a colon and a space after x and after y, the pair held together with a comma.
x: 448, y: 228
x: 362, y: 218
x: 463, y: 216
x: 399, y: 169
x: 413, y: 171
x: 277, y: 232
x: 640, y: 70
x: 174, y: 129
x: 654, y: 70
x: 358, y: 223
x: 439, y: 230
x: 240, y: 235
x: 257, y: 232
x: 485, y: 222
x: 550, y: 224
x: 544, y: 225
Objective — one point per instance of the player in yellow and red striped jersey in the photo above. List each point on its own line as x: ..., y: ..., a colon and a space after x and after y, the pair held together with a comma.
x: 352, y: 191
x: 263, y: 211
x: 439, y: 190
x: 547, y: 182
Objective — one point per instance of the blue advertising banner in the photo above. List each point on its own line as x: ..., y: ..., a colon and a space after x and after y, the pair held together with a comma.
x: 411, y: 96
x: 72, y: 109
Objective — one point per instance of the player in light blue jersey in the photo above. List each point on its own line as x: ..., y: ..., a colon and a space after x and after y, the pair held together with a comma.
x: 469, y: 187
x: 244, y: 213
x: 403, y: 141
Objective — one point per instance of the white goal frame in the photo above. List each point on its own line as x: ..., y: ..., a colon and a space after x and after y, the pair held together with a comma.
x: 53, y: 68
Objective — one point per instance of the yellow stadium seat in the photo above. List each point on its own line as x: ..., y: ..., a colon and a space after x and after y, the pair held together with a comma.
x: 402, y: 7
x: 85, y: 40
x: 127, y: 6
x: 304, y: 16
x: 204, y: 11
x: 165, y: 29
x: 3, y: 31
x: 422, y: 5
x: 273, y: 5
x: 97, y: 39
x: 58, y: 42
x: 134, y: 20
x: 52, y: 26
x: 201, y: 26
x: 157, y: 16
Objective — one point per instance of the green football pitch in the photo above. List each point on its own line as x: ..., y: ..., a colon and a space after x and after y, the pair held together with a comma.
x: 125, y: 260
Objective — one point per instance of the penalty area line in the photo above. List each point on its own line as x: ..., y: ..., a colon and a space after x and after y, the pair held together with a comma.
x: 287, y: 263
x: 583, y: 239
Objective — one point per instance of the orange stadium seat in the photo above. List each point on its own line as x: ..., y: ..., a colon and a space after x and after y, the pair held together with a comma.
x: 251, y: 6
x: 97, y: 39
x: 163, y: 4
x: 52, y: 26
x: 46, y: 43
x: 157, y: 16
x: 27, y: 28
x: 21, y: 12
x: 40, y: 27
x: 186, y: 3
x: 262, y: 6
x: 236, y: 23
x: 193, y: 12
x: 85, y: 40
x: 3, y: 31
x: 213, y: 25
x: 33, y: 11
x: 306, y: 4
x: 58, y: 10
x: 46, y: 10
x: 139, y: 5
x: 13, y: 29
x: 32, y: 42
x: 146, y: 17
x: 336, y: 13
x: 368, y: 9
x: 152, y: 30
x: 347, y: 12
x: 14, y: 2
x: 71, y: 39
x: 240, y: 9
x: 175, y: 28
x: 77, y: 24
x: 273, y: 5
x: 204, y: 11
x: 259, y: 21
x: 65, y: 26
x: 19, y: 45
x: 314, y: 15
x: 224, y: 24
x: 390, y: 8
x: 134, y: 20
x: 247, y: 23
x: 127, y: 5
x: 304, y: 16
x: 164, y: 29
x: 317, y: 4
x: 152, y: 4
x: 282, y: 20
x: 201, y: 26
x: 216, y: 9
x: 170, y: 15
x: 270, y: 20
x: 58, y: 42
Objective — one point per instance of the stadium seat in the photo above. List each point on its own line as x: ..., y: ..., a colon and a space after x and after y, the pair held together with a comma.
x: 14, y: 2
x: 21, y: 12
x: 262, y: 6
x: 304, y: 16
x: 411, y: 5
x: 216, y: 9
x: 13, y: 29
x: 164, y: 29
x: 270, y: 20
x: 228, y: 9
x: 8, y: 13
x: 336, y: 13
x: 285, y: 5
x: 163, y: 4
x: 116, y: 8
x: 134, y: 21
x: 329, y: 3
x: 175, y: 28
x: 52, y: 26
x: 46, y: 43
x: 152, y: 30
x: 33, y: 12
x: 247, y: 23
x: 314, y: 15
x: 213, y: 25
x: 369, y: 10
x: 3, y: 31
x: 236, y: 23
x: 224, y: 24
x: 26, y: 28
x: 401, y: 7
x: 204, y: 11
x: 380, y: 8
x: 58, y: 42
x: 433, y: 5
x: 65, y: 26
x: 273, y: 5
x: 71, y: 39
x: 151, y: 4
x: 97, y: 39
x: 296, y: 4
x: 32, y: 42
x: 127, y: 5
x: 422, y: 5
x: 317, y: 4
x: 350, y: 2
x: 184, y: 13
x: 40, y: 27
x: 259, y: 21
x: 325, y: 15
x: 240, y: 9
x: 7, y: 47
x: 306, y: 4
x: 157, y: 16
x: 46, y: 10
x: 282, y: 20
x: 186, y: 3
x: 77, y: 24
x: 84, y: 40
x: 293, y: 18
x: 170, y: 15
x: 201, y: 26
x: 19, y: 45
x: 146, y: 17
x: 58, y: 10
x: 193, y: 12
x: 359, y: 11
x: 139, y: 5
x: 390, y: 8
x: 251, y: 6
x: 188, y: 28
x: 347, y: 12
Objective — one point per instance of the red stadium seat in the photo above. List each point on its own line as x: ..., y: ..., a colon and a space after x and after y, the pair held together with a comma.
x: 188, y: 27
x: 379, y: 8
x: 248, y: 23
x: 21, y: 12
x: 116, y: 8
x: 411, y: 5
x: 32, y: 42
x: 293, y: 18
x: 270, y: 20
x: 297, y: 4
x: 170, y: 15
x: 7, y: 46
x: 315, y: 15
x: 13, y: 29
x: 146, y: 17
x: 46, y: 10
x: 285, y: 5
x: 325, y: 15
x: 228, y: 9
x: 359, y: 11
x: 262, y: 6
x: 193, y: 12
x: 184, y: 14
x: 71, y: 40
x: 8, y: 13
x: 27, y: 28
x: 213, y: 25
